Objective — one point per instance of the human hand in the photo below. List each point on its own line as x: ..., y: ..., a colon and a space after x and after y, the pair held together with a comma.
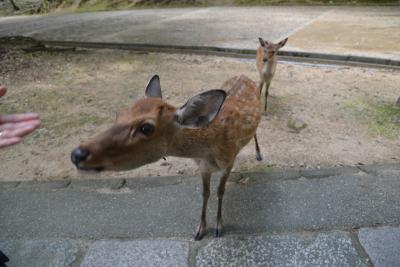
x: 14, y: 127
x: 3, y: 90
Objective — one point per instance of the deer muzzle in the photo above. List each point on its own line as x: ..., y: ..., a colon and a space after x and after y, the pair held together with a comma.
x: 78, y: 158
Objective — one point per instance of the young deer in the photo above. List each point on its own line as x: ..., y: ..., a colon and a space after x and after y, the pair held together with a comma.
x: 212, y: 127
x: 267, y: 53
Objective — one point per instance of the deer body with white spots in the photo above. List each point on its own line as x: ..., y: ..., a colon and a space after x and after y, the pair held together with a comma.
x: 210, y: 128
x: 266, y: 61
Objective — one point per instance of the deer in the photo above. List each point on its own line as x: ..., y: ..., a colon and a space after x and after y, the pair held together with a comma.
x: 211, y: 128
x: 266, y: 61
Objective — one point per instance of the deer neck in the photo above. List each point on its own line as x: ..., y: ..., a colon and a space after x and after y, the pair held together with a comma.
x: 270, y: 66
x: 189, y: 143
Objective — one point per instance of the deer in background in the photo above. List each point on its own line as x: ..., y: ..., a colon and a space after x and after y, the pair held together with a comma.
x: 212, y: 127
x: 266, y: 61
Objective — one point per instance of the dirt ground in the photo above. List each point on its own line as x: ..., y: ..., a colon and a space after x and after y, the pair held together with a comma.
x: 349, y: 111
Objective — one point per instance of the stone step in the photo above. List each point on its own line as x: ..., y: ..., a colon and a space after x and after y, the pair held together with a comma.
x: 285, y: 218
x: 166, y: 207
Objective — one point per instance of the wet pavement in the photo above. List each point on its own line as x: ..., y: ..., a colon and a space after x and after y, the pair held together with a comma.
x: 359, y: 31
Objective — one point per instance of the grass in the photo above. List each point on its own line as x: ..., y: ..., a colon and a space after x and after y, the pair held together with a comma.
x: 51, y: 105
x: 382, y: 120
x: 60, y: 124
x: 98, y: 6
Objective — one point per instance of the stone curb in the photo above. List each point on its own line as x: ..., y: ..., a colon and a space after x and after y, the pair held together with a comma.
x: 234, y: 52
x: 378, y: 169
x: 139, y: 183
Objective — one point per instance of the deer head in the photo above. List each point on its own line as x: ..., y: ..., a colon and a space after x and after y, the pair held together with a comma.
x: 271, y: 49
x: 146, y: 131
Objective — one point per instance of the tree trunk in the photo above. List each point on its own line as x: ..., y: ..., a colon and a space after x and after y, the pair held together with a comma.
x: 16, y: 8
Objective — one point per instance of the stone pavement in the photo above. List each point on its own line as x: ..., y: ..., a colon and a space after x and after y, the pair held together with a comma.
x: 358, y: 31
x: 348, y: 216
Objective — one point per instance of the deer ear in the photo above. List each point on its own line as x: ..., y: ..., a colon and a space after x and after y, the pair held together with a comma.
x: 153, y: 89
x: 282, y: 43
x: 262, y: 42
x: 200, y: 110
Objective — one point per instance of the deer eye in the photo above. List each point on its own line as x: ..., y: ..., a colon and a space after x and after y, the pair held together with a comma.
x: 147, y: 129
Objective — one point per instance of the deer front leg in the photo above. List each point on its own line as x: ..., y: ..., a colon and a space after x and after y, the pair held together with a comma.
x: 201, y: 229
x: 221, y: 191
x: 260, y: 85
x: 266, y: 95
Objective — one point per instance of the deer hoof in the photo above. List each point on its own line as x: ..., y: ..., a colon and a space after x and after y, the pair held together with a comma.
x: 259, y: 157
x: 200, y: 233
x: 218, y: 231
x: 199, y: 236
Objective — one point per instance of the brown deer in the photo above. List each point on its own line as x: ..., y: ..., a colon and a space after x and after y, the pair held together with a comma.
x: 212, y: 127
x: 266, y: 61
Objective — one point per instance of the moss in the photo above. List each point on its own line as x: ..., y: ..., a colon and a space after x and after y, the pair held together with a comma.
x: 387, y: 122
x: 382, y: 119
x: 266, y: 167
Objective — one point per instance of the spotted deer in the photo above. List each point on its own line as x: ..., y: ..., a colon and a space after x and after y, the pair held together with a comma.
x: 266, y: 61
x: 211, y: 128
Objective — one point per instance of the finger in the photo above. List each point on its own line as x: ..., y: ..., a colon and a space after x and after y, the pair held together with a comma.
x: 20, y: 132
x: 18, y: 117
x: 9, y: 141
x: 16, y: 125
x: 3, y: 90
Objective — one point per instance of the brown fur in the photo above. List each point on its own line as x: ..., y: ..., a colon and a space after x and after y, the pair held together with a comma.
x: 213, y: 147
x: 266, y: 61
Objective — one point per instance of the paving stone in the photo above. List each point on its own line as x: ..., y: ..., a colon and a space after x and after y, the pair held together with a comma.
x: 382, y: 245
x: 39, y: 253
x: 324, y: 249
x: 137, y: 253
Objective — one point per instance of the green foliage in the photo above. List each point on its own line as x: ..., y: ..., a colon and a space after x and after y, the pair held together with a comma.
x: 386, y: 121
x: 382, y: 120
x: 315, y: 2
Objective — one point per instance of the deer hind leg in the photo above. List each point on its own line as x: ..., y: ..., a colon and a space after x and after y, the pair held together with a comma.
x: 266, y: 95
x: 221, y: 191
x: 258, y: 153
x: 201, y: 229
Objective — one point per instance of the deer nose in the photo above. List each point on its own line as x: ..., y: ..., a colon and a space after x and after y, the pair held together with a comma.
x: 78, y: 155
